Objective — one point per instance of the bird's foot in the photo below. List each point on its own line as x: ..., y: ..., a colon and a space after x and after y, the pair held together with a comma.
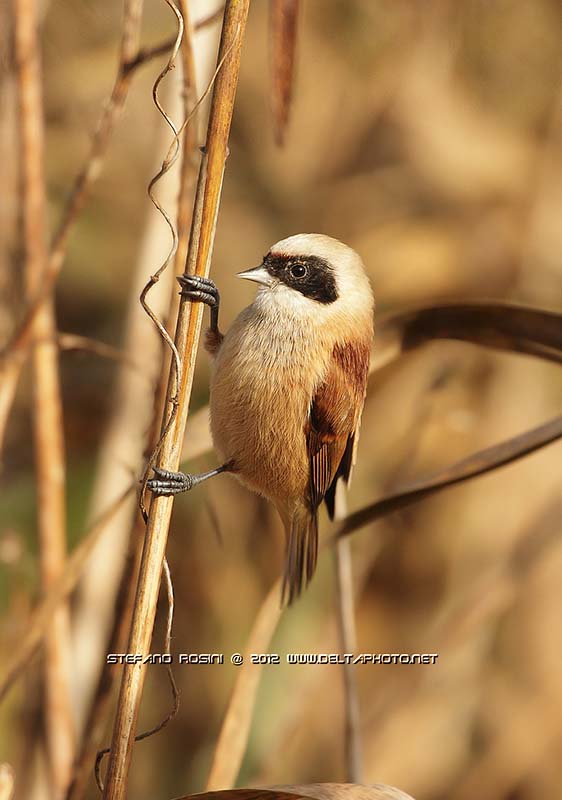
x: 167, y: 483
x: 198, y: 289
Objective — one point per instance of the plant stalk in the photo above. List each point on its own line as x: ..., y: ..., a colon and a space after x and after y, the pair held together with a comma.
x: 186, y: 339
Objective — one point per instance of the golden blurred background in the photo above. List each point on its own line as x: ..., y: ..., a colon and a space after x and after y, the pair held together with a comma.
x: 428, y: 136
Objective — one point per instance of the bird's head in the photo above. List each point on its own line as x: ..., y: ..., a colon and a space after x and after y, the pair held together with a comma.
x: 311, y: 271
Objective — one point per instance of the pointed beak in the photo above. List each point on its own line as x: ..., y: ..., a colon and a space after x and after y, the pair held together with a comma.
x: 257, y: 274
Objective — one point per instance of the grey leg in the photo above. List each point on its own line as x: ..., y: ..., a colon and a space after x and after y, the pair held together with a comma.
x: 167, y: 483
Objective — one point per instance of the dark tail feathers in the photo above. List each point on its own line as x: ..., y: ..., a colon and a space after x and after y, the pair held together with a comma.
x: 301, y: 553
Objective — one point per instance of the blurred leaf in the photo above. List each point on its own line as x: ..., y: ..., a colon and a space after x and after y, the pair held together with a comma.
x: 502, y: 326
x: 476, y: 464
x: 283, y: 42
x: 314, y: 791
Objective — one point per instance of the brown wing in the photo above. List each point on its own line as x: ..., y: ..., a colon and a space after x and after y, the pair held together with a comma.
x: 331, y: 432
x: 335, y: 415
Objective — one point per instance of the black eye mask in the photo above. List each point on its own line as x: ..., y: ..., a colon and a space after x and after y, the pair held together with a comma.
x: 312, y: 276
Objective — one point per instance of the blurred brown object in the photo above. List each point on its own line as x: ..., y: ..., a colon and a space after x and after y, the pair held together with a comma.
x: 316, y: 791
x: 6, y: 782
x: 345, y: 791
x: 284, y: 15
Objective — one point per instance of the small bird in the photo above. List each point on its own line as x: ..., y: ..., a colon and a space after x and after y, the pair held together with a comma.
x: 288, y: 386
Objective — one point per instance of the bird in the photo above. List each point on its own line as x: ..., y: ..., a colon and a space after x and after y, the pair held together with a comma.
x: 288, y: 386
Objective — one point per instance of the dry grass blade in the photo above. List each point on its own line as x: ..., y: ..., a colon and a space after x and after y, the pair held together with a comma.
x: 476, y: 464
x: 41, y: 618
x: 502, y: 326
x: 348, y: 644
x: 46, y: 405
x: 312, y: 791
x: 187, y: 335
x: 347, y: 641
x: 283, y: 44
x: 233, y: 738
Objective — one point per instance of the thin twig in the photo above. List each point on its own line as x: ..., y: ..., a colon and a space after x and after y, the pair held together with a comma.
x: 85, y: 344
x: 348, y: 644
x: 147, y: 54
x: 235, y: 729
x: 153, y: 280
x: 345, y: 617
x: 47, y: 407
x: 186, y: 339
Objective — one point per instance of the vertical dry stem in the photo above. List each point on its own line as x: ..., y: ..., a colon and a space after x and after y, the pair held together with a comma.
x: 186, y: 339
x: 235, y: 730
x: 124, y: 603
x: 348, y: 642
x: 47, y: 408
x: 345, y: 617
x: 132, y: 17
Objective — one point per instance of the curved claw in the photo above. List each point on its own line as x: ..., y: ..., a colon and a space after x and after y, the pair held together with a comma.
x: 199, y: 289
x: 168, y: 483
x: 202, y: 290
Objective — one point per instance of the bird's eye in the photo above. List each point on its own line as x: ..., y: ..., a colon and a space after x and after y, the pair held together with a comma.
x: 298, y: 270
